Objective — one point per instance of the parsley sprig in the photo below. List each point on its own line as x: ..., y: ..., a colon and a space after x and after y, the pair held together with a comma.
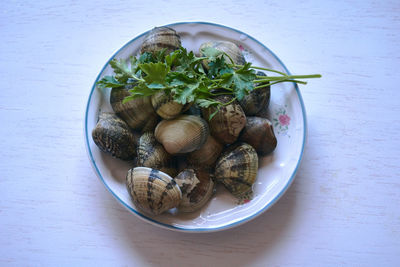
x: 182, y: 75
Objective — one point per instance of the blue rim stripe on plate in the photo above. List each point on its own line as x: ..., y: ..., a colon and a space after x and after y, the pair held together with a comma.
x: 194, y: 230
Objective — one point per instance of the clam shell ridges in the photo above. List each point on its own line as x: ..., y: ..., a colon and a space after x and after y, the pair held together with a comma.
x: 112, y: 135
x: 129, y: 111
x: 153, y: 191
x: 165, y: 106
x: 228, y: 47
x: 256, y: 100
x: 183, y: 134
x: 152, y: 154
x: 237, y: 168
x: 226, y: 125
x: 159, y: 38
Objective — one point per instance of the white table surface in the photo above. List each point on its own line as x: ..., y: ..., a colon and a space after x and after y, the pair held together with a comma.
x: 342, y: 209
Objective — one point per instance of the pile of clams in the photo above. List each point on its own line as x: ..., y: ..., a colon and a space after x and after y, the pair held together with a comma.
x: 178, y: 155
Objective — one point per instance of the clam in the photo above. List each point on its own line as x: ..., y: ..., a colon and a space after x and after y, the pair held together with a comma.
x: 152, y: 154
x: 186, y: 180
x: 137, y: 113
x: 229, y: 48
x: 259, y: 133
x: 112, y: 135
x: 153, y: 191
x: 198, y: 193
x: 256, y: 100
x: 237, y: 168
x: 159, y: 38
x: 165, y: 106
x: 206, y: 155
x: 226, y: 125
x: 183, y: 134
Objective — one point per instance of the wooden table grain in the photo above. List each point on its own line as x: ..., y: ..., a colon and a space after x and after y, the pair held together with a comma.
x: 343, y: 208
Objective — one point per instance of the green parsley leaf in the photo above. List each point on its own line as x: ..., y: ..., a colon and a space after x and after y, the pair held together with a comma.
x: 155, y: 72
x: 110, y: 82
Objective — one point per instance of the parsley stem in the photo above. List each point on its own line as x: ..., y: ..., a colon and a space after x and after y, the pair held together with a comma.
x: 266, y: 69
x: 277, y: 78
x: 224, y: 93
x: 233, y: 62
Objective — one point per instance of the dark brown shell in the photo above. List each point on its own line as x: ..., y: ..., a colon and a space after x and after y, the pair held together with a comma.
x: 237, y: 168
x: 152, y: 154
x: 226, y: 125
x: 256, y: 100
x: 206, y: 155
x: 159, y: 38
x: 137, y: 113
x: 112, y: 135
x: 259, y: 133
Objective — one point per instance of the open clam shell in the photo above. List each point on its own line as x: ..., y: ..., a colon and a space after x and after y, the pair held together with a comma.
x: 153, y: 191
x: 199, y: 192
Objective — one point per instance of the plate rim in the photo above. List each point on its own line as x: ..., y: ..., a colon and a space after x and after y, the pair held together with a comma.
x: 178, y: 228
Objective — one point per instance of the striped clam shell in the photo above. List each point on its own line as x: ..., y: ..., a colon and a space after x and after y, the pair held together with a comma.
x: 237, y: 168
x: 183, y: 134
x: 256, y: 100
x: 146, y: 118
x: 226, y: 125
x: 229, y: 48
x: 259, y: 133
x: 159, y: 38
x: 152, y: 191
x: 165, y: 106
x: 152, y: 154
x: 198, y: 195
x: 113, y: 136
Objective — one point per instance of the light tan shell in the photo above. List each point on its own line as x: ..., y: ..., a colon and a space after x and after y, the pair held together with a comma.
x: 237, y: 168
x: 152, y: 191
x: 152, y: 154
x: 226, y: 125
x: 206, y: 155
x: 159, y: 38
x: 200, y: 194
x: 259, y: 133
x: 113, y: 136
x: 183, y: 134
x: 165, y: 106
x: 228, y: 47
x: 129, y: 110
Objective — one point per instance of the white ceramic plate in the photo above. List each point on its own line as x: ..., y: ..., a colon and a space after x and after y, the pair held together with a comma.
x: 276, y: 171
